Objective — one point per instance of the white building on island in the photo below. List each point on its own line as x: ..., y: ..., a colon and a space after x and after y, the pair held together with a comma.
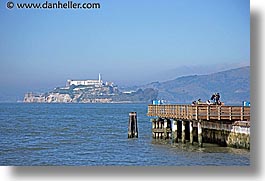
x: 96, y: 83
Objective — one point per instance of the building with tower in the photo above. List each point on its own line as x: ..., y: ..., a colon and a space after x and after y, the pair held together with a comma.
x: 96, y: 83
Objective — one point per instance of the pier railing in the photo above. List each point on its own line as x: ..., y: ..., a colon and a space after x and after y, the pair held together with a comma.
x: 200, y: 112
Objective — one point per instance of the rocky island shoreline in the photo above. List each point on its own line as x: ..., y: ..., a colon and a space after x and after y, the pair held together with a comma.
x: 91, y: 91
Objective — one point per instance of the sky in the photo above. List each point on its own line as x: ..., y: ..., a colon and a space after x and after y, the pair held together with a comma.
x: 128, y: 42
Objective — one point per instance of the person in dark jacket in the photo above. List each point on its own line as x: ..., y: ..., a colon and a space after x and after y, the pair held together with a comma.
x: 218, y: 102
x: 216, y: 98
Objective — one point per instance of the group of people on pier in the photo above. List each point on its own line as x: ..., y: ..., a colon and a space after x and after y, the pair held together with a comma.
x: 215, y: 98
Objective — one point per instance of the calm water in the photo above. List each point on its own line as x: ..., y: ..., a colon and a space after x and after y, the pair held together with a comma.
x: 95, y: 134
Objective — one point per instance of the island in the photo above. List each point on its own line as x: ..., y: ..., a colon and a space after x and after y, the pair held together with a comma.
x: 91, y: 91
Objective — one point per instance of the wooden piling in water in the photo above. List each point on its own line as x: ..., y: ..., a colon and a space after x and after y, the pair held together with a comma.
x: 183, y: 139
x: 132, y: 125
x: 199, y: 133
x: 153, y: 127
x: 191, y: 132
x: 175, y: 130
x: 165, y: 129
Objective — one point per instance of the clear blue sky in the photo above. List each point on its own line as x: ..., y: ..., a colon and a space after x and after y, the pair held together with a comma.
x: 125, y: 41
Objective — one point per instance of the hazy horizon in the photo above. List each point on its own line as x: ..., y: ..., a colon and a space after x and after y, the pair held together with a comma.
x: 189, y: 71
x: 129, y: 43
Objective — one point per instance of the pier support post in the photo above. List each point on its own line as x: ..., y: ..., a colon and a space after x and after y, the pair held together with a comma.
x: 165, y: 129
x: 191, y: 132
x: 174, y: 131
x: 200, y: 133
x: 160, y: 126
x: 153, y: 127
x: 183, y: 132
x: 157, y: 127
x: 169, y: 127
x: 132, y: 126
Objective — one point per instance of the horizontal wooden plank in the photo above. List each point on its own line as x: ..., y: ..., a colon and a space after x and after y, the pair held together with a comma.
x: 197, y: 112
x: 160, y: 130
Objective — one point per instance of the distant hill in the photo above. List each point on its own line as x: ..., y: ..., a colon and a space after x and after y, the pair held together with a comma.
x: 233, y: 85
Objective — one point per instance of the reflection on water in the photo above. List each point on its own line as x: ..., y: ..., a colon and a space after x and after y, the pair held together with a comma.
x: 207, y: 147
x: 209, y: 154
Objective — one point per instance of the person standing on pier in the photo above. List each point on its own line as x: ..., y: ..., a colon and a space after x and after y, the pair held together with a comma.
x: 216, y: 98
x: 218, y: 102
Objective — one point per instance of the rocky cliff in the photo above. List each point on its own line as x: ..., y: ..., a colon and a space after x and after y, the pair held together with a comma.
x: 91, y: 94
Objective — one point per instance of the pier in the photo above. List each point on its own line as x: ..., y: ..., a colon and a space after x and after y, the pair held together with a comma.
x: 224, y: 125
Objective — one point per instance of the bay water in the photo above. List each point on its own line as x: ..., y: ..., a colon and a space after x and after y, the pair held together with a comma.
x: 96, y: 135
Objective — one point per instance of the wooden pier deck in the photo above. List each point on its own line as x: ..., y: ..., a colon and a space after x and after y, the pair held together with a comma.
x: 200, y: 112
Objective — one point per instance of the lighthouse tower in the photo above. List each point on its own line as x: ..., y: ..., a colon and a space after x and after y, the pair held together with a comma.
x: 99, y: 79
